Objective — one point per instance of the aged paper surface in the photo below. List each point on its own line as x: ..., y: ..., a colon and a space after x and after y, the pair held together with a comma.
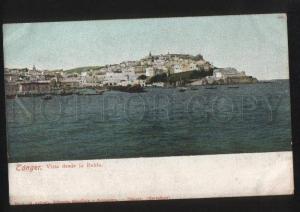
x: 148, y: 109
x: 231, y: 175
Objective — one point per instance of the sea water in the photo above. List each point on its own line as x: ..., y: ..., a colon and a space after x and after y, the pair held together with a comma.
x: 158, y: 122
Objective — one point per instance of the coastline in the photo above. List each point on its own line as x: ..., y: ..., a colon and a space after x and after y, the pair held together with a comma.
x: 102, y: 89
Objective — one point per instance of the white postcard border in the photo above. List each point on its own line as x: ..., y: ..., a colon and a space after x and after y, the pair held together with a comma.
x: 180, y: 177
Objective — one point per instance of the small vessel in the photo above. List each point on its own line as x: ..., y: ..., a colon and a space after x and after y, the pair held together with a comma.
x: 130, y: 89
x: 12, y: 96
x: 233, y: 86
x: 89, y: 92
x: 65, y: 93
x: 211, y: 87
x: 135, y: 89
x: 99, y: 92
x: 47, y: 97
x: 182, y: 89
x: 194, y: 88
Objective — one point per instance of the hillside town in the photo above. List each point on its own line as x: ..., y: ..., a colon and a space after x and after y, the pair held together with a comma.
x: 165, y: 70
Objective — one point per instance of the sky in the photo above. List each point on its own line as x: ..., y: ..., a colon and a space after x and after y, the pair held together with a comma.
x: 256, y: 44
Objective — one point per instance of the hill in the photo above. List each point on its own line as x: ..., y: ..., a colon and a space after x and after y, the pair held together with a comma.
x: 185, y: 77
x: 79, y: 70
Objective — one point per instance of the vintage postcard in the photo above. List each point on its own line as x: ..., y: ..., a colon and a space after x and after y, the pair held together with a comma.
x: 148, y: 109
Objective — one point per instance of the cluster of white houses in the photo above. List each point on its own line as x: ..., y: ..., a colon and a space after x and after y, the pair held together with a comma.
x: 123, y: 74
x: 226, y: 76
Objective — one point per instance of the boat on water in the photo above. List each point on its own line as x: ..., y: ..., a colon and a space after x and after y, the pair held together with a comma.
x: 66, y: 93
x: 211, y: 87
x: 99, y: 92
x: 234, y: 86
x: 128, y: 89
x: 89, y: 92
x: 194, y: 88
x: 30, y: 94
x: 47, y: 97
x: 183, y: 89
x: 11, y: 96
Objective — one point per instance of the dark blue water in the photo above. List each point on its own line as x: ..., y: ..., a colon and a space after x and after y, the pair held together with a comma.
x: 159, y: 122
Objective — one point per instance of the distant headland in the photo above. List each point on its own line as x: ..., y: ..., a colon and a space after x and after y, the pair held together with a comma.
x: 164, y: 70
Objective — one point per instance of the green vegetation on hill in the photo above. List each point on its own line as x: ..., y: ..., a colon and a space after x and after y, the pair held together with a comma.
x: 189, y: 75
x: 142, y: 77
x: 182, y: 76
x: 79, y: 70
x: 159, y: 78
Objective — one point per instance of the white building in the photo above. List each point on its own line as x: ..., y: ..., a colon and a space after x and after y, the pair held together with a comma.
x: 11, y: 77
x: 224, y: 73
x: 193, y: 66
x: 140, y: 82
x: 158, y: 84
x: 210, y: 79
x: 150, y: 72
x: 123, y: 78
x: 99, y: 78
x: 177, y: 68
x: 83, y: 78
